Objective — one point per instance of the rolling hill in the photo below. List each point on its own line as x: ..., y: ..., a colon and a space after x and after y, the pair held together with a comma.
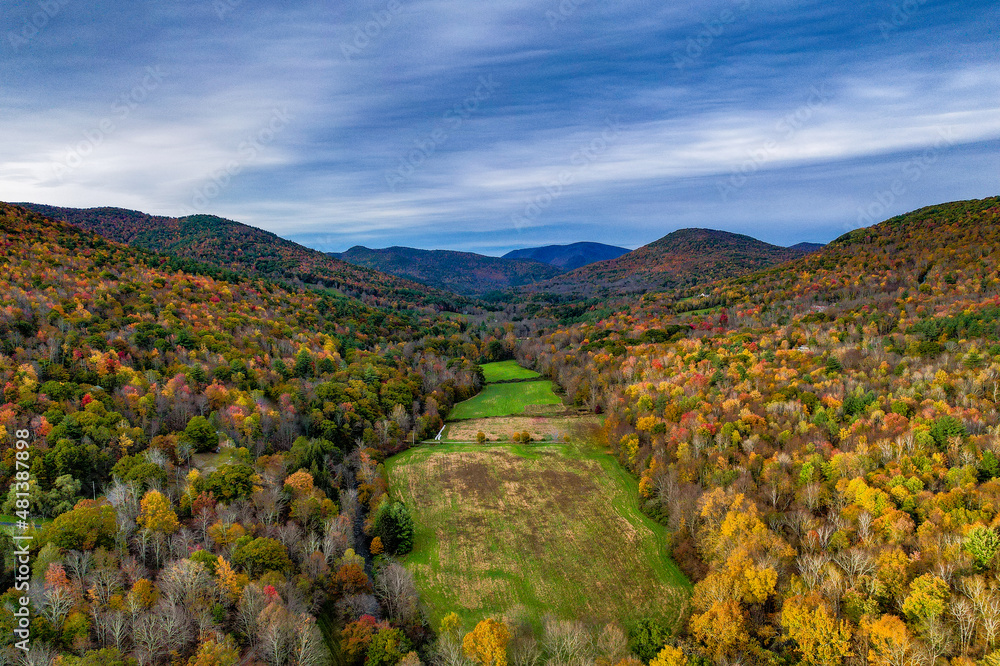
x: 569, y: 257
x: 243, y: 248
x: 684, y: 258
x: 464, y: 273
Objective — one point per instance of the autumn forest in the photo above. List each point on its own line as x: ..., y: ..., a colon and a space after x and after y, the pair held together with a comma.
x: 210, y: 439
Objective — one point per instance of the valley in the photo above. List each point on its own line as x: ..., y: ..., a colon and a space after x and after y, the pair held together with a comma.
x: 707, y: 470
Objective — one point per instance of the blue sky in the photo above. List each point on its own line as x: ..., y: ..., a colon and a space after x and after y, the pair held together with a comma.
x: 488, y: 126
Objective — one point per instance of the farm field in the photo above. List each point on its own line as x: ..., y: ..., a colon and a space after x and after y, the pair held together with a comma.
x: 526, y: 530
x: 507, y: 400
x: 541, y: 428
x: 505, y: 371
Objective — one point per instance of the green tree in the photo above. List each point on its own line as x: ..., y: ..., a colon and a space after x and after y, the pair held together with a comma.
x: 394, y: 525
x: 982, y: 543
x: 387, y: 648
x: 202, y: 436
x: 87, y: 526
x: 262, y: 554
x: 647, y: 638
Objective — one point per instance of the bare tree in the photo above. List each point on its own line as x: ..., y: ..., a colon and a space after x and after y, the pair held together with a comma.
x: 79, y: 563
x: 396, y: 590
x: 251, y: 603
x: 307, y: 647
x: 566, y: 641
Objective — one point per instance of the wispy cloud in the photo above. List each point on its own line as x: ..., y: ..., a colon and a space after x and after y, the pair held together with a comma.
x: 561, y: 70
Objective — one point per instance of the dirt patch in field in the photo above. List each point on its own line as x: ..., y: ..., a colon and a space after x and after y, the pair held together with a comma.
x: 502, y: 428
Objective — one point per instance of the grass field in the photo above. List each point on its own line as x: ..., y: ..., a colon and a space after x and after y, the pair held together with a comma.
x: 505, y: 371
x: 530, y: 530
x: 505, y: 400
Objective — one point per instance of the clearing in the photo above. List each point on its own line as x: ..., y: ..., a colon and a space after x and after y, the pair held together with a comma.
x: 505, y: 371
x: 525, y: 530
x: 508, y: 399
x: 541, y: 428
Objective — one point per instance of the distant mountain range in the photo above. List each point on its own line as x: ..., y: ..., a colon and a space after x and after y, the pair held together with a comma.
x: 463, y: 273
x: 408, y: 277
x: 569, y: 257
x: 686, y: 257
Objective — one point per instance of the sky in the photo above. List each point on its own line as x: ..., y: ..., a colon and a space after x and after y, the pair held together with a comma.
x: 488, y: 126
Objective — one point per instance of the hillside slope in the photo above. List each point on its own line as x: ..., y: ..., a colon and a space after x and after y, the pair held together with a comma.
x: 464, y: 273
x: 569, y: 257
x: 683, y: 258
x: 835, y: 418
x: 240, y: 247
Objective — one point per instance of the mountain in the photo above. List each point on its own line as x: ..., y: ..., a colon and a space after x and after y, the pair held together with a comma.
x: 459, y: 272
x: 569, y: 257
x: 240, y: 247
x: 684, y: 258
x: 807, y: 247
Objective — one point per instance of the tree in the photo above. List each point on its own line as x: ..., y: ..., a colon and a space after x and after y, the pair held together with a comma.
x: 487, y: 643
x: 647, y: 638
x: 394, y: 526
x: 102, y: 657
x: 669, y: 656
x: 216, y: 653
x: 721, y: 629
x: 87, y: 526
x: 481, y: 437
x: 386, y: 648
x: 261, y: 554
x: 982, y: 543
x: 928, y: 594
x: 230, y: 583
x: 156, y: 514
x: 889, y: 642
x: 821, y: 639
x: 201, y: 435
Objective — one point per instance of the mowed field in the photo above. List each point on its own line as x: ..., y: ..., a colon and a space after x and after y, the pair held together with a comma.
x: 541, y: 428
x: 506, y: 400
x: 505, y: 371
x: 526, y: 530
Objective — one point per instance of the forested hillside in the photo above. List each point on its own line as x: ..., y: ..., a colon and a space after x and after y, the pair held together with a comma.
x: 683, y: 258
x: 249, y: 250
x: 822, y: 438
x: 202, y: 452
x: 463, y: 273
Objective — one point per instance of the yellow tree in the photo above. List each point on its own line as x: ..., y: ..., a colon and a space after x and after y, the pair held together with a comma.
x: 229, y: 581
x: 156, y: 513
x: 487, y: 643
x: 721, y: 629
x: 821, y: 639
x: 669, y: 656
x: 889, y: 640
